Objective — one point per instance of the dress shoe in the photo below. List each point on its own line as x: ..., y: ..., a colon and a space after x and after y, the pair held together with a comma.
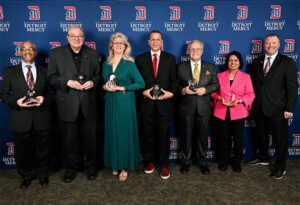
x: 237, y: 168
x: 184, y: 169
x: 44, y: 181
x: 92, y: 175
x: 222, y: 167
x: 69, y: 176
x: 278, y: 173
x: 204, y: 169
x: 25, y: 183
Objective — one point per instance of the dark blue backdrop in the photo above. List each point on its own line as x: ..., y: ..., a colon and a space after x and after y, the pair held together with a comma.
x: 222, y: 25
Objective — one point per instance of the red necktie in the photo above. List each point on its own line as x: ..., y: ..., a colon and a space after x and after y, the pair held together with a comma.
x: 30, y: 81
x: 267, y: 67
x: 154, y: 62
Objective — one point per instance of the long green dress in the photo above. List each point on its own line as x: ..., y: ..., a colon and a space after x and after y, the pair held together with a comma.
x: 121, y: 139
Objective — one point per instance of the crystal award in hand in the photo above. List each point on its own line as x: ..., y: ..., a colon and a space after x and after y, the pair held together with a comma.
x: 193, y: 85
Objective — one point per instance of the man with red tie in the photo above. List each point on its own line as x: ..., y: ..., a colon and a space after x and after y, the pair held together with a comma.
x: 274, y: 78
x: 25, y: 91
x: 158, y: 69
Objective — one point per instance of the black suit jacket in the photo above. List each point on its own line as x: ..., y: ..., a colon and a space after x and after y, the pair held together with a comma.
x: 166, y: 78
x: 208, y: 79
x: 14, y: 88
x: 61, y: 69
x: 278, y: 91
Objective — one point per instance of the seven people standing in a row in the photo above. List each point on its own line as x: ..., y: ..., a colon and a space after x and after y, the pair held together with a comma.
x: 152, y: 80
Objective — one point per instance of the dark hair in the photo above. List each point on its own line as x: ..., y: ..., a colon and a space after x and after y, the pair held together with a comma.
x: 238, y: 55
x: 272, y: 35
x: 155, y: 31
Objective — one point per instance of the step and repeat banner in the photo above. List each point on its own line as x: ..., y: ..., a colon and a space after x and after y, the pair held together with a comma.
x: 223, y: 26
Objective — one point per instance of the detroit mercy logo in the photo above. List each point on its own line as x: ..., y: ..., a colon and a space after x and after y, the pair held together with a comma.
x: 175, y: 13
x: 34, y: 13
x: 90, y: 44
x: 17, y: 49
x: 106, y: 13
x: 54, y: 44
x: 242, y: 12
x: 256, y: 46
x: 224, y: 47
x: 296, y: 140
x: 276, y: 12
x: 10, y: 149
x: 141, y: 13
x: 1, y: 13
x: 70, y: 13
x: 209, y: 13
x: 289, y: 45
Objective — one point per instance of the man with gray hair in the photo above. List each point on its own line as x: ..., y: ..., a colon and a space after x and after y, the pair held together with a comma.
x: 26, y: 92
x: 73, y: 71
x: 197, y: 80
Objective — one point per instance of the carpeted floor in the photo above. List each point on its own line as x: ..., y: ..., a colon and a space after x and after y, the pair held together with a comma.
x: 252, y: 186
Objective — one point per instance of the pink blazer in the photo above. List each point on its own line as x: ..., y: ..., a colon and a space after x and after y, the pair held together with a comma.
x: 241, y: 88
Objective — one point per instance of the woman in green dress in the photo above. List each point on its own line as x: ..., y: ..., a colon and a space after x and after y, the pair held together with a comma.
x: 121, y: 140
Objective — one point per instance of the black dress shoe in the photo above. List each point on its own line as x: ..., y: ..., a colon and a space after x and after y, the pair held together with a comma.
x: 44, y: 181
x: 204, y: 169
x: 25, y: 183
x: 222, y: 168
x: 69, y: 176
x: 184, y: 169
x: 278, y: 173
x: 237, y: 168
x: 92, y: 176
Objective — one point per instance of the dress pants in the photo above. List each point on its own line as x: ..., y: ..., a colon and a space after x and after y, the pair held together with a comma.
x: 228, y: 128
x: 156, y: 141
x: 194, y: 128
x: 77, y: 132
x: 32, y: 152
x: 278, y: 127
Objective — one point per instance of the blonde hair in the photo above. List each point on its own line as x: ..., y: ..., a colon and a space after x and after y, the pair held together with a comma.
x: 127, y: 51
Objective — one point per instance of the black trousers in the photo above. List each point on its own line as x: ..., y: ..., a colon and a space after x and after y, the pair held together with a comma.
x: 226, y: 129
x: 156, y: 141
x: 278, y: 127
x: 194, y: 128
x: 80, y: 133
x: 32, y: 153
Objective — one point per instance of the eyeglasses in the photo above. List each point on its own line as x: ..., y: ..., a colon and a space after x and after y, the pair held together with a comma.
x: 74, y: 37
x: 195, y: 50
x: 118, y: 43
x: 27, y: 49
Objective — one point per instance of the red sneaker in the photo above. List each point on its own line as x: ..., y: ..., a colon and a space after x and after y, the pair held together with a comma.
x: 149, y: 168
x: 165, y: 173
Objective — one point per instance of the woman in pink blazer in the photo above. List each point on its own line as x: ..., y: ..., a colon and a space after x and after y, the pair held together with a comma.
x: 232, y: 104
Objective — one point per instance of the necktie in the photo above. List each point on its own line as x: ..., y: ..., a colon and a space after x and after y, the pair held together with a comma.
x: 267, y: 67
x: 30, y: 80
x: 196, y: 74
x: 154, y: 62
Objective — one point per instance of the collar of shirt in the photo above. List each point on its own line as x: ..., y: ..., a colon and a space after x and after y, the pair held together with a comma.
x: 271, y: 60
x: 157, y: 53
x: 193, y: 65
x: 25, y: 69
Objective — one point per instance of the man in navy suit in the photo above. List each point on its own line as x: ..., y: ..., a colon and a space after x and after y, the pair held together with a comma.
x: 157, y: 68
x: 73, y: 71
x: 274, y: 78
x: 30, y: 116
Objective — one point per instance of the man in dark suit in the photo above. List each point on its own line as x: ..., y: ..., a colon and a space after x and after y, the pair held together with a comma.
x: 73, y: 71
x: 157, y: 68
x: 274, y: 78
x: 197, y: 80
x: 30, y: 116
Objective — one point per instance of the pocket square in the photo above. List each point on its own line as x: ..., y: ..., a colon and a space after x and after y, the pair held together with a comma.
x: 207, y: 72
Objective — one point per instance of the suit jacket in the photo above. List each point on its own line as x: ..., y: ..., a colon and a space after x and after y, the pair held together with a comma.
x: 189, y: 104
x: 14, y: 88
x: 241, y: 88
x: 61, y: 69
x: 278, y: 91
x: 166, y: 78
